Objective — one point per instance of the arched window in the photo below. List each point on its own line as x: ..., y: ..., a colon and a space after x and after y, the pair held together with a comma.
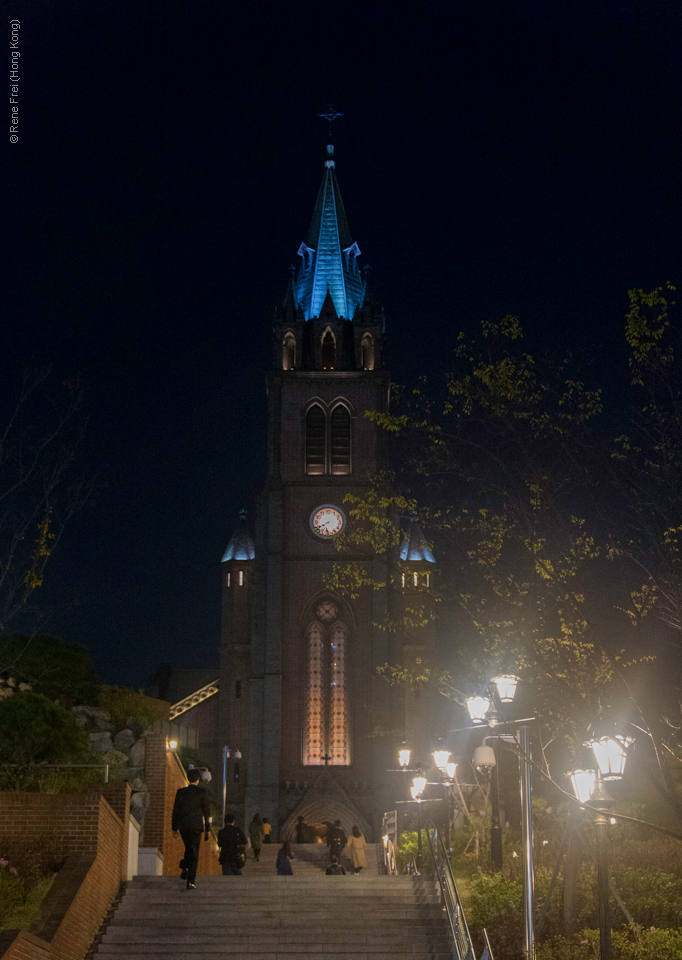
x: 315, y: 441
x: 340, y: 441
x: 368, y: 352
x: 328, y: 351
x: 289, y: 352
x: 314, y: 747
x: 326, y: 735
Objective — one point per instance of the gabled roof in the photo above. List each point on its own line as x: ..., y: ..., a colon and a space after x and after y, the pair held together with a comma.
x: 241, y: 546
x: 329, y: 256
x: 414, y: 545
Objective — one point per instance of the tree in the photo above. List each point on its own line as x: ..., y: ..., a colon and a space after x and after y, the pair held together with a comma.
x: 39, y: 438
x: 517, y: 483
x: 34, y: 729
x: 56, y: 668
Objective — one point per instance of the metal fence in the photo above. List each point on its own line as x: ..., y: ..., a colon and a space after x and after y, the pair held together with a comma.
x: 463, y: 947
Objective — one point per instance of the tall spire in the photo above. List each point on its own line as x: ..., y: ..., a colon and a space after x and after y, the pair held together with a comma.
x: 328, y: 259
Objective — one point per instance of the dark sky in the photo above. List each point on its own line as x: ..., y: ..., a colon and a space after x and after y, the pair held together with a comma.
x: 516, y: 157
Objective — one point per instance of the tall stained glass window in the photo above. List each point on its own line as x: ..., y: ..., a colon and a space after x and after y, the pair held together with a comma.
x: 327, y: 736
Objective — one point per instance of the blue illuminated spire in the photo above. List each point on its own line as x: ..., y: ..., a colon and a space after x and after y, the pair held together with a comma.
x: 241, y: 546
x: 415, y: 545
x: 328, y: 259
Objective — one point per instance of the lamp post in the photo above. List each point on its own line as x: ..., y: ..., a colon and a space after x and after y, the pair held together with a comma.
x: 610, y: 753
x: 483, y: 710
x: 418, y: 785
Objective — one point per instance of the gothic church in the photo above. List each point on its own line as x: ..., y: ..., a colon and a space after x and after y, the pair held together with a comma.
x: 298, y: 700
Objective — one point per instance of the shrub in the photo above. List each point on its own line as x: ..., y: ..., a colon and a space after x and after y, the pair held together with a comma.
x: 59, y: 669
x: 654, y: 944
x: 496, y: 903
x: 407, y: 849
x: 34, y: 729
x: 27, y: 870
x: 132, y: 707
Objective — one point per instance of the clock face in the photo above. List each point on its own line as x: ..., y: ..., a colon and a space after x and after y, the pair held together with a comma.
x: 327, y: 521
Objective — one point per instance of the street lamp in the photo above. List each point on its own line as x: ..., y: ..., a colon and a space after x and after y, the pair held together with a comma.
x: 483, y: 711
x: 418, y: 787
x: 478, y: 707
x: 441, y: 758
x: 404, y: 756
x: 611, y: 754
x: 583, y: 782
x: 506, y: 687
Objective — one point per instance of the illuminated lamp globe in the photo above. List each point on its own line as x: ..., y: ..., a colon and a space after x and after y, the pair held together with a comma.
x: 611, y: 754
x: 404, y: 756
x: 450, y: 770
x: 506, y: 687
x: 478, y: 707
x: 484, y: 756
x: 583, y: 782
x: 440, y: 758
x: 418, y: 787
x: 173, y: 744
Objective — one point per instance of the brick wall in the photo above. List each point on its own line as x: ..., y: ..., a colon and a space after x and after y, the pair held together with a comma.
x: 164, y: 776
x: 92, y: 832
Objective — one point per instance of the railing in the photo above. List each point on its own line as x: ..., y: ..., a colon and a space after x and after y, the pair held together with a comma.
x: 464, y: 948
x: 389, y: 838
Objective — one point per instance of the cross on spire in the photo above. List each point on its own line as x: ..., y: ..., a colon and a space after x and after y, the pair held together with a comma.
x: 330, y: 116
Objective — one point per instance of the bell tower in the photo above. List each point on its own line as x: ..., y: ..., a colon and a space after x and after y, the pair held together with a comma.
x: 311, y: 707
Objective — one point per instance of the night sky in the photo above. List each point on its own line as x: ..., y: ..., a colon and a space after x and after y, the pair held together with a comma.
x: 494, y: 158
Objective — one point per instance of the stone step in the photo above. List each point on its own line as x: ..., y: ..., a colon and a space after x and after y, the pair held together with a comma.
x: 237, y: 935
x: 338, y: 927
x: 328, y: 950
x: 258, y: 944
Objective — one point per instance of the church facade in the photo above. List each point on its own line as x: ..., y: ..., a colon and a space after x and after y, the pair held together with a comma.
x: 310, y: 726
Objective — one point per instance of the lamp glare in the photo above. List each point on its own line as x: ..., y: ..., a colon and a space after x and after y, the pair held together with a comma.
x: 506, y: 687
x: 478, y: 707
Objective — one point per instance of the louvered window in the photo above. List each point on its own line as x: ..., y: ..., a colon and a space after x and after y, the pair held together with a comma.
x: 340, y: 441
x: 315, y: 441
x: 328, y: 351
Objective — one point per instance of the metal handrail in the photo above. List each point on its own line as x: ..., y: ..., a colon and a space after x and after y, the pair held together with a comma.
x: 464, y: 948
x: 389, y: 826
x: 488, y: 951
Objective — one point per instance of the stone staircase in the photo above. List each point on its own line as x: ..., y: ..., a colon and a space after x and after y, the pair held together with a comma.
x: 265, y: 917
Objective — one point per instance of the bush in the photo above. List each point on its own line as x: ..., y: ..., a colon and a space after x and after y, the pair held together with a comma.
x: 128, y: 707
x: 654, y: 944
x: 407, y: 849
x: 34, y: 729
x: 653, y: 898
x: 59, y: 669
x: 27, y: 871
x: 496, y: 903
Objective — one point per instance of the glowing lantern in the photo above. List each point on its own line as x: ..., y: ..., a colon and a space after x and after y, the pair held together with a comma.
x: 506, y: 687
x: 418, y: 786
x: 478, y: 707
x: 611, y: 754
x: 583, y: 782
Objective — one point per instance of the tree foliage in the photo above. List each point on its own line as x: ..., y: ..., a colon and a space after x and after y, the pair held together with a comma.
x: 57, y: 668
x: 558, y: 542
x: 39, y: 437
x: 34, y: 729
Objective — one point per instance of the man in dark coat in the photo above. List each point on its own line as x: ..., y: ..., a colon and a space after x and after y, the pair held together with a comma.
x: 336, y: 840
x: 191, y: 813
x: 232, y: 843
